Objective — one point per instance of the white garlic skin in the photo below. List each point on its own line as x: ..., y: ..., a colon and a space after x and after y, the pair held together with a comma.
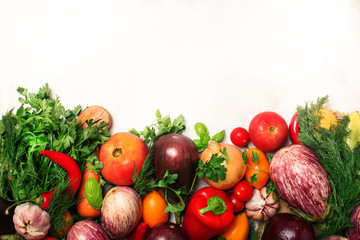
x: 262, y: 206
x: 31, y: 221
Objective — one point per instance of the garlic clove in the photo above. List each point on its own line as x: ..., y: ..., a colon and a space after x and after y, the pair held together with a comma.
x: 270, y: 211
x: 276, y: 205
x: 250, y: 213
x: 271, y: 199
x: 259, y: 216
x: 263, y: 192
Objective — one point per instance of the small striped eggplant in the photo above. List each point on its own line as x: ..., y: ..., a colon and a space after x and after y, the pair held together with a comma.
x: 354, y: 233
x: 301, y: 180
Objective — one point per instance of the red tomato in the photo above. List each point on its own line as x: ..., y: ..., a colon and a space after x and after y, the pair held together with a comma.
x: 243, y: 191
x: 120, y: 154
x: 238, y: 205
x: 294, y: 129
x: 268, y: 131
x: 239, y: 137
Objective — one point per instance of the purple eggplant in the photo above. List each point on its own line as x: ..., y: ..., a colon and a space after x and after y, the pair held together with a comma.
x: 301, y: 180
x: 166, y: 231
x: 286, y: 226
x: 178, y: 154
x: 7, y: 224
x: 354, y: 232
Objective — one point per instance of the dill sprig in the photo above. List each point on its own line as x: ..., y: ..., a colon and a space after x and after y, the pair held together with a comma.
x: 338, y: 160
x: 61, y: 202
x: 144, y: 179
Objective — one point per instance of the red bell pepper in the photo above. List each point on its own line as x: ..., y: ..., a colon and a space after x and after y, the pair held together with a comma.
x: 208, y: 214
x: 294, y: 129
x: 139, y: 232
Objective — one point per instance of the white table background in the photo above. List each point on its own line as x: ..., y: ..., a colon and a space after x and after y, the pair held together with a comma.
x: 218, y: 62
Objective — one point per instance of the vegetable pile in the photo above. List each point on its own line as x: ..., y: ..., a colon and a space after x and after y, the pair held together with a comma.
x: 64, y: 176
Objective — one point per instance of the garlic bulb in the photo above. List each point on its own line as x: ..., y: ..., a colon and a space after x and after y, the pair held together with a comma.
x: 262, y: 205
x: 31, y: 221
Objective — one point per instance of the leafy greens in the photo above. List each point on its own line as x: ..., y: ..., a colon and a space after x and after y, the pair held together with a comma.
x: 41, y: 122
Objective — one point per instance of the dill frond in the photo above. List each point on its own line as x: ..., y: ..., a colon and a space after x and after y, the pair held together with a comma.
x: 338, y: 160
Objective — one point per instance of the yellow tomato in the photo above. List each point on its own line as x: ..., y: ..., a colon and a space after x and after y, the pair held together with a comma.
x: 153, y: 209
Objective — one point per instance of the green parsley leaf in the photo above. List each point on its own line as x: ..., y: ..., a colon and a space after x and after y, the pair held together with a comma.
x: 214, y: 168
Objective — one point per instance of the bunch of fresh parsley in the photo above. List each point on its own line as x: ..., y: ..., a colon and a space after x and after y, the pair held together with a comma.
x: 41, y: 122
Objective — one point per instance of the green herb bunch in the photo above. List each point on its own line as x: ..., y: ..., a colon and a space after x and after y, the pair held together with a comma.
x: 41, y: 122
x: 160, y: 127
x: 341, y: 163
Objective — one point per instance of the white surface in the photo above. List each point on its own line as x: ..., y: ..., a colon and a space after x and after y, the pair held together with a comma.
x: 218, y: 62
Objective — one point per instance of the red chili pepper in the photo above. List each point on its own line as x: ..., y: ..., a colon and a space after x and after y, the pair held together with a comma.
x: 209, y: 213
x: 46, y: 197
x: 73, y: 174
x: 139, y: 232
x: 294, y: 129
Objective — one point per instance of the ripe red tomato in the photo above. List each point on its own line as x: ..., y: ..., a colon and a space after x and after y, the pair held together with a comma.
x: 243, y: 191
x: 120, y: 154
x: 238, y: 205
x: 239, y: 137
x: 268, y: 131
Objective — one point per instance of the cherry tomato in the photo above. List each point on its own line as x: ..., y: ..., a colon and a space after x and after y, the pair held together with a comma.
x: 239, y: 137
x: 153, y: 209
x: 238, y: 205
x: 243, y: 191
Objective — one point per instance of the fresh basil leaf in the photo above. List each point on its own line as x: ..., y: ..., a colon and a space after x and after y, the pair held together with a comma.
x: 158, y: 114
x: 219, y: 136
x: 205, y: 140
x: 93, y: 193
x: 201, y: 130
x: 197, y: 143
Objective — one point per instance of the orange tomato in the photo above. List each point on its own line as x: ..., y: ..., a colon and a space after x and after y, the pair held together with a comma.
x: 258, y: 167
x: 235, y: 165
x: 69, y: 223
x: 239, y: 229
x: 153, y: 209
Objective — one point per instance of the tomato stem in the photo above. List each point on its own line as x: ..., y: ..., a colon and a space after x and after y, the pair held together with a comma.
x: 273, y: 130
x: 117, y: 152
